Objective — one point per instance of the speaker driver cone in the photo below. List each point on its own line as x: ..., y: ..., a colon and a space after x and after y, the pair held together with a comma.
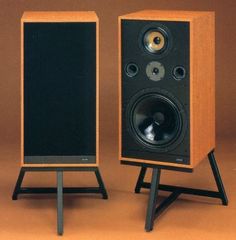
x: 155, y: 120
x: 155, y: 40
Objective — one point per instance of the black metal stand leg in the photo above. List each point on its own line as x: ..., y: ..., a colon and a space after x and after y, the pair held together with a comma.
x: 59, y: 190
x: 140, y: 179
x: 101, y: 184
x: 217, y: 177
x: 150, y: 216
x: 154, y: 211
x: 18, y: 184
x: 60, y: 202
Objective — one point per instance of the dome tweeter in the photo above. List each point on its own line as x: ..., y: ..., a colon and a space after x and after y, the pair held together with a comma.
x: 155, y: 71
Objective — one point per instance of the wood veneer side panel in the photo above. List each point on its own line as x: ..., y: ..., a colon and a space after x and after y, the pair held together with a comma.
x: 119, y: 93
x: 202, y: 85
x: 22, y: 95
x: 97, y: 94
x: 191, y: 92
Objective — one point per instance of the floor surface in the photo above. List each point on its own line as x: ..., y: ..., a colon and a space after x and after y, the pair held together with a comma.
x: 122, y: 216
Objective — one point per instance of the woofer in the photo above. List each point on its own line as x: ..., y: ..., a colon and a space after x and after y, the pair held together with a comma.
x: 156, y: 120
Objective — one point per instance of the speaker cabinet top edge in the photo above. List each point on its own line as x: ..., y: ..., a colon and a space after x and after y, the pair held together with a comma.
x: 60, y: 16
x: 166, y: 15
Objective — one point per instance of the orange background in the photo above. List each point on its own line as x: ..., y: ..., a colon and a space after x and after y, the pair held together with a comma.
x: 119, y: 180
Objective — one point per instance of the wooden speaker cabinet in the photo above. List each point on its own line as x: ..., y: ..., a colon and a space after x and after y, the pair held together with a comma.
x: 59, y: 100
x: 166, y: 88
x: 59, y: 89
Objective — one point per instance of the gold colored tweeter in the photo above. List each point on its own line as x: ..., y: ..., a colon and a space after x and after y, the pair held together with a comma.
x: 155, y: 41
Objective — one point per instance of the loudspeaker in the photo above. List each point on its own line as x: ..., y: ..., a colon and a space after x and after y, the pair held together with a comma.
x: 59, y: 89
x: 166, y: 88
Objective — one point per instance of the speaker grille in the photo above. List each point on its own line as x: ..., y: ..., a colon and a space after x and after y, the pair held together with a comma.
x: 60, y: 90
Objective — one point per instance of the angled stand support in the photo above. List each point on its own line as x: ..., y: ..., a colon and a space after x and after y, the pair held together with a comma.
x: 59, y: 190
x: 153, y: 211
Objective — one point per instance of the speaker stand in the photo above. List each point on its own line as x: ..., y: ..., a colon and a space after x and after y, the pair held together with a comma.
x: 153, y: 212
x: 59, y: 190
